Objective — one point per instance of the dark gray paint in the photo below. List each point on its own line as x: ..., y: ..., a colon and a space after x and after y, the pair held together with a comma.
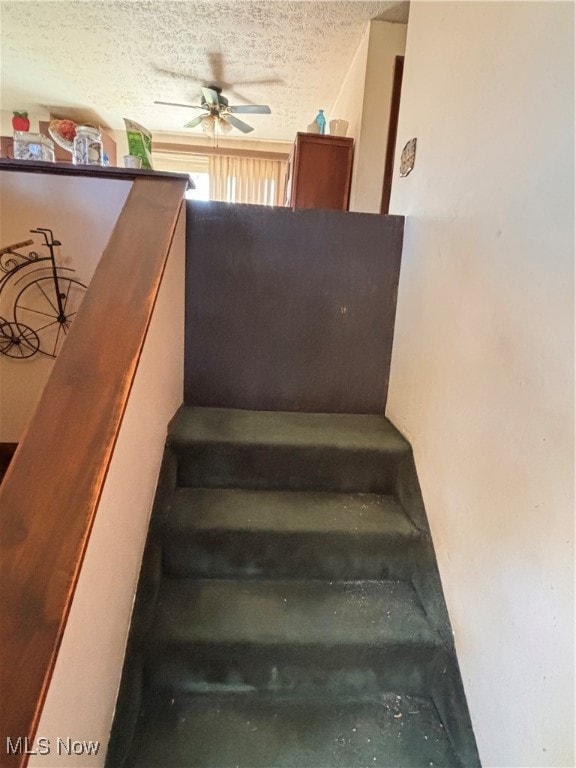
x: 289, y: 310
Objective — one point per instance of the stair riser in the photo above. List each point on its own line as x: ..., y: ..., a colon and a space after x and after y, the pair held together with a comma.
x: 287, y: 468
x: 353, y: 671
x: 246, y: 554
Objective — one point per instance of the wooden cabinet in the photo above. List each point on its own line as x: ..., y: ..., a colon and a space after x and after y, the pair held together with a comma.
x: 319, y: 172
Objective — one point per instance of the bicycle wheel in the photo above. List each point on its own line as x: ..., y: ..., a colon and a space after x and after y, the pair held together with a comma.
x: 17, y: 340
x: 37, y: 307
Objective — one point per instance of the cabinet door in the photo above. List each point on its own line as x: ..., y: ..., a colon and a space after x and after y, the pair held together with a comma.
x: 322, y: 173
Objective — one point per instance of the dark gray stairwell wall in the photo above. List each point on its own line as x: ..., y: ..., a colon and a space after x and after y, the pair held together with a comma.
x: 289, y: 310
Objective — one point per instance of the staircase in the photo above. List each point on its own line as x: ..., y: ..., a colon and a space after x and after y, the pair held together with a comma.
x: 289, y: 612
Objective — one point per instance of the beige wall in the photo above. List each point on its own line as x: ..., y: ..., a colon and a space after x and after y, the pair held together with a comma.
x: 172, y: 162
x: 82, y: 694
x: 386, y: 41
x: 483, y: 360
x: 82, y: 213
x: 34, y: 117
x: 237, y: 141
x: 364, y: 101
x: 350, y: 102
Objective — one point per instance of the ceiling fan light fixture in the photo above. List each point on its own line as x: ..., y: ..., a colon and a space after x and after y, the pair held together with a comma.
x: 224, y: 126
x: 207, y: 124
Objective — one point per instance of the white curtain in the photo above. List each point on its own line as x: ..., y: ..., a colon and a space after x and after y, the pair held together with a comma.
x: 246, y: 180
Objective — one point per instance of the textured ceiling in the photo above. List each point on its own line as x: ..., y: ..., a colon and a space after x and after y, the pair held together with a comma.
x: 113, y: 59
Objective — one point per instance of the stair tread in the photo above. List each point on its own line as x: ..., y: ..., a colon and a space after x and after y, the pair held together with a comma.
x: 206, y: 509
x: 225, y: 425
x: 395, y: 731
x: 288, y: 612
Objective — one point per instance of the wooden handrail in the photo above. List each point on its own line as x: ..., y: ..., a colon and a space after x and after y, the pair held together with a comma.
x: 51, y: 491
x: 90, y: 171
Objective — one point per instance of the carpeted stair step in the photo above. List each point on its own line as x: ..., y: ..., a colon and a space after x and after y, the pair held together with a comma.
x: 393, y: 731
x: 290, y: 637
x: 226, y: 448
x: 219, y: 533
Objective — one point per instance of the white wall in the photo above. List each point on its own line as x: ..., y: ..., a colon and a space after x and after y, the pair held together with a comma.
x: 82, y: 213
x: 82, y: 694
x: 483, y: 360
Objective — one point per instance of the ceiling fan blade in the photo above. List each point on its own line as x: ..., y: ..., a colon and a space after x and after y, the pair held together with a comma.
x: 244, y: 127
x: 250, y: 109
x: 263, y: 81
x: 195, y: 122
x: 216, y: 66
x: 173, y: 73
x: 210, y: 96
x: 174, y: 104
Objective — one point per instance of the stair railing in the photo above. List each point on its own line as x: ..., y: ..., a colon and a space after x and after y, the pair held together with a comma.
x: 50, y: 495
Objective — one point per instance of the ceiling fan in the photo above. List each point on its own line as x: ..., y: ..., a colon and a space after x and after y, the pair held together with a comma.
x: 218, y: 112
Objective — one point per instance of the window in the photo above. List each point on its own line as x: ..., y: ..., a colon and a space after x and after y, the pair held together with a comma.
x: 246, y: 179
x: 202, y: 186
x: 228, y: 178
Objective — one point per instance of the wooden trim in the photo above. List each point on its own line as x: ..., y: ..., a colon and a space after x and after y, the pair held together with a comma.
x: 197, y: 149
x: 392, y: 131
x: 325, y: 138
x: 94, y: 171
x: 7, y: 451
x: 6, y: 146
x: 51, y: 491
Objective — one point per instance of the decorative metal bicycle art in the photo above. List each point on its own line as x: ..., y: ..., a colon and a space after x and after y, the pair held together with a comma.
x: 44, y: 298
